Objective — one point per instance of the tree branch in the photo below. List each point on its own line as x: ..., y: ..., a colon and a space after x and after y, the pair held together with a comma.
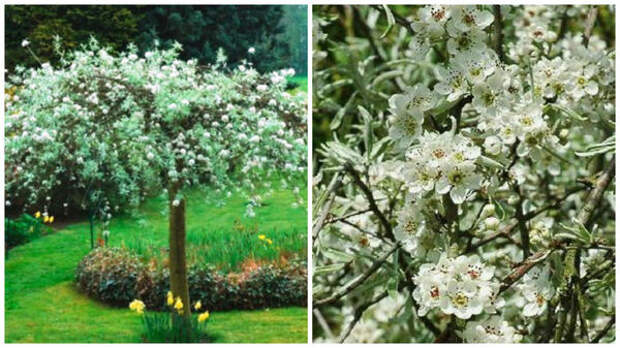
x: 323, y: 323
x: 589, y: 25
x: 595, y: 195
x: 499, y: 36
x: 553, y: 205
x: 398, y: 18
x: 522, y: 269
x: 603, y: 332
x: 504, y: 232
x: 563, y: 24
x: 320, y: 222
x: 525, y: 236
x: 359, y: 311
x: 371, y: 199
x: 357, y: 281
x: 342, y: 218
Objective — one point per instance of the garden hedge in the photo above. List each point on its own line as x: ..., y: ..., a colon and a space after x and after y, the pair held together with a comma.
x: 116, y: 276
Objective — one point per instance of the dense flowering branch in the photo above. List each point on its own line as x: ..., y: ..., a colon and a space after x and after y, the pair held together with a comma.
x: 467, y: 131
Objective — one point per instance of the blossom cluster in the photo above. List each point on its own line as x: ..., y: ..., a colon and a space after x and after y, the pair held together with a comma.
x: 537, y: 290
x: 462, y: 286
x: 444, y: 163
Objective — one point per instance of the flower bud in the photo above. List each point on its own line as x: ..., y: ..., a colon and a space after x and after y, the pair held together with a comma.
x: 512, y: 200
x: 488, y: 210
x: 491, y: 223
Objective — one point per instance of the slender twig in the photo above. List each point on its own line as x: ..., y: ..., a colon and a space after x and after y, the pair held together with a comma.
x: 499, y: 36
x: 371, y: 199
x: 457, y: 110
x: 595, y: 195
x: 347, y: 222
x: 574, y: 309
x: 515, y: 158
x: 551, y: 321
x: 475, y: 222
x: 367, y: 32
x: 398, y: 18
x: 563, y: 23
x: 570, y: 300
x: 583, y: 322
x: 589, y: 25
x: 331, y: 196
x: 319, y: 317
x: 561, y: 323
x: 333, y: 220
x: 525, y: 235
x: 522, y: 269
x: 553, y: 205
x: 357, y: 281
x: 603, y: 332
x: 373, y: 206
x: 504, y: 232
x: 34, y: 55
x: 359, y: 311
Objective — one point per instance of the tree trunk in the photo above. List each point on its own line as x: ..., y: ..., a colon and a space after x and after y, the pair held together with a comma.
x: 177, y: 264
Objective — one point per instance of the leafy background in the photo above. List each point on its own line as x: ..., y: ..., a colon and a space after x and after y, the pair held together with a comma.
x: 273, y: 30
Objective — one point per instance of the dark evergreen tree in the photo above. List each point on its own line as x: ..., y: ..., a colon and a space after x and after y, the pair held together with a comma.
x: 296, y: 36
x: 114, y: 26
x: 203, y: 29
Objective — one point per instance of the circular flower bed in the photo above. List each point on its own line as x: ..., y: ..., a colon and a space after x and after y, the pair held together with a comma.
x: 116, y: 276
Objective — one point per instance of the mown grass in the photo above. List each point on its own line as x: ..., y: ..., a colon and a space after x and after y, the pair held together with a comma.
x: 43, y: 305
x: 59, y: 314
x: 220, y: 235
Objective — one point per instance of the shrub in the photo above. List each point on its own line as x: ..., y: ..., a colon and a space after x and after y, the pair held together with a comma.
x: 110, y: 275
x: 23, y: 230
x: 272, y: 287
x: 116, y: 276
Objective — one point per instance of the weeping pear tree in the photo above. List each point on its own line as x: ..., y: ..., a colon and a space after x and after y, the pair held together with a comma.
x: 172, y: 124
x: 60, y: 155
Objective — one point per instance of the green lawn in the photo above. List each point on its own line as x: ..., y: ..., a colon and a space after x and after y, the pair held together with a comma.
x: 211, y: 233
x: 42, y: 304
x: 302, y: 81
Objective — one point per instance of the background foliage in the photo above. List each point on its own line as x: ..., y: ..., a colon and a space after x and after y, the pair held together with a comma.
x: 274, y: 31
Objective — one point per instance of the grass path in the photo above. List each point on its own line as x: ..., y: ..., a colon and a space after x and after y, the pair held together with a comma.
x: 42, y: 304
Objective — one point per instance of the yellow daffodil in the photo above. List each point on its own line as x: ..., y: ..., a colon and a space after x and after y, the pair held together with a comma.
x: 51, y: 219
x: 46, y: 219
x: 204, y: 316
x: 170, y: 298
x: 37, y: 214
x: 269, y: 241
x: 198, y: 305
x: 261, y: 237
x: 137, y: 306
x: 178, y: 305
